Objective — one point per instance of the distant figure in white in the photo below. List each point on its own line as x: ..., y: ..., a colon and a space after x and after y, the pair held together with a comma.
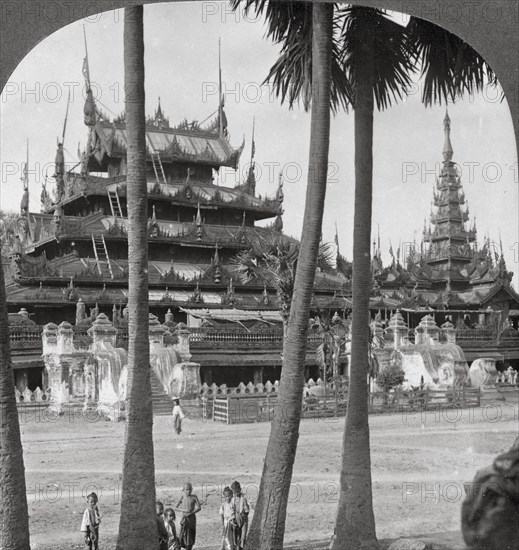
x: 178, y: 416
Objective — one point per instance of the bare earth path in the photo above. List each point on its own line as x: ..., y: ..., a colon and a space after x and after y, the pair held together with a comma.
x: 420, y: 463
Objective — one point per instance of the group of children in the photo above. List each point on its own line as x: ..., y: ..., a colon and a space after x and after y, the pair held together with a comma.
x: 234, y: 513
x: 189, y: 505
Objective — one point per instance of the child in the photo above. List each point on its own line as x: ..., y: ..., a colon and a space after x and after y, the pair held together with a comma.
x: 178, y: 416
x: 227, y: 514
x: 90, y: 523
x: 241, y: 515
x: 169, y: 522
x: 161, y: 527
x: 190, y: 507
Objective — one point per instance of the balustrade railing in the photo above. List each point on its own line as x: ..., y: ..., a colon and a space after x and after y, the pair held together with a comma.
x: 30, y: 337
x: 25, y: 337
x: 476, y: 336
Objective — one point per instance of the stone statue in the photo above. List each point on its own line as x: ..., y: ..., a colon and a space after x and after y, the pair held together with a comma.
x: 490, y: 512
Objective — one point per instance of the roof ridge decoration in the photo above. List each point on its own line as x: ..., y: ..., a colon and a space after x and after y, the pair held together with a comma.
x: 216, y: 263
x: 278, y: 223
x: 241, y: 233
x: 197, y: 297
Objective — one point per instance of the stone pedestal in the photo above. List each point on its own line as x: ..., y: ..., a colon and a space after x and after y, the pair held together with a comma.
x: 110, y: 367
x: 185, y: 382
x: 64, y: 366
x: 182, y: 348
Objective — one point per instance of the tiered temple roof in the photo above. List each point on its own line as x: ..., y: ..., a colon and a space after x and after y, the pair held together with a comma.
x: 447, y: 270
x: 77, y: 246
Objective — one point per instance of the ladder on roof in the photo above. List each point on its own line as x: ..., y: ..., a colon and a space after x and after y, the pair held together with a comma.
x: 157, y: 167
x: 101, y: 254
x: 115, y: 204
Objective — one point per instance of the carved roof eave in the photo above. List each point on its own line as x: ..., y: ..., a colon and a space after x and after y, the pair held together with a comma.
x: 119, y: 150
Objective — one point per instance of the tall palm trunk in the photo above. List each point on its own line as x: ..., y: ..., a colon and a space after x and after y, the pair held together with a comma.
x: 355, y: 525
x: 137, y: 524
x: 268, y: 524
x: 14, y: 516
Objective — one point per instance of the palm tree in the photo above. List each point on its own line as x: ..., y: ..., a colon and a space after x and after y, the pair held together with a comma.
x: 268, y: 524
x: 14, y: 515
x: 137, y: 524
x: 380, y: 56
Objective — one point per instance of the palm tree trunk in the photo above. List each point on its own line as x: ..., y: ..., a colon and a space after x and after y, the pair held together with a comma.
x: 14, y: 515
x: 355, y: 523
x: 268, y: 525
x: 138, y: 523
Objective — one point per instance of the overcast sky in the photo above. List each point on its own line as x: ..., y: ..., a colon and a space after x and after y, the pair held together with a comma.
x: 181, y: 42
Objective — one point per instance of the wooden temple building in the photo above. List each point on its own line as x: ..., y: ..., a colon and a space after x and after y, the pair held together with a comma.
x: 69, y: 263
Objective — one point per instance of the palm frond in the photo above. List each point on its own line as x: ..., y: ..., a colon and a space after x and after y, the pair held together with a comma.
x: 449, y: 66
x: 290, y: 25
x: 391, y: 56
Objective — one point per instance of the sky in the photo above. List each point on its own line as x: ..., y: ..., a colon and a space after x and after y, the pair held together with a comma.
x: 181, y: 60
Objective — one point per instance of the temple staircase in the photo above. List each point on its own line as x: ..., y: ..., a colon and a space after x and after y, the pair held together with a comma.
x: 101, y: 255
x: 115, y: 204
x: 158, y: 168
x: 161, y: 401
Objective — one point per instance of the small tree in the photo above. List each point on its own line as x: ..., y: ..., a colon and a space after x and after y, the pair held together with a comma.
x: 391, y: 377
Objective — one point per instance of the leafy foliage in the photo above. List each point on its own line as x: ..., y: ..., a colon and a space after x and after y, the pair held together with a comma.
x: 391, y: 376
x: 272, y: 261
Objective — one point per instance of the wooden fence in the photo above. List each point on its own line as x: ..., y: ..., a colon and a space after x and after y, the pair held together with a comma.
x: 246, y: 408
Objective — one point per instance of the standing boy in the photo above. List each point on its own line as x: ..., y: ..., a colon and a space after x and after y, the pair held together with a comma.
x: 241, y: 515
x: 190, y: 507
x: 161, y: 527
x: 90, y: 523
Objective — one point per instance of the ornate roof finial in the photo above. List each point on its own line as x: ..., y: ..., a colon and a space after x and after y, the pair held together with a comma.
x: 265, y: 295
x: 216, y: 263
x: 198, y: 224
x: 447, y: 146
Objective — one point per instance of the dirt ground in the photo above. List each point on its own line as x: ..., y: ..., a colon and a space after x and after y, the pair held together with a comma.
x: 419, y: 465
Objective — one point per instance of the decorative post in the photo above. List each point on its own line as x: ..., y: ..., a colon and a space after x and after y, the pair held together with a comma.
x: 56, y: 380
x: 102, y: 332
x: 156, y: 331
x: 91, y: 386
x: 399, y: 329
x: 430, y: 330
x: 65, y: 338
x: 183, y: 342
x: 80, y: 311
x: 49, y: 339
x: 449, y: 331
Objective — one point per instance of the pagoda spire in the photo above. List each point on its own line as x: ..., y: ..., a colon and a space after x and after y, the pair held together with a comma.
x: 24, y: 206
x: 447, y: 145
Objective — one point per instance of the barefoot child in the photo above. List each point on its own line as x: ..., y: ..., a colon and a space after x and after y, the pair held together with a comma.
x: 227, y: 514
x: 190, y: 507
x: 90, y: 523
x: 241, y: 515
x: 178, y: 416
x: 161, y: 526
x: 173, y: 543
